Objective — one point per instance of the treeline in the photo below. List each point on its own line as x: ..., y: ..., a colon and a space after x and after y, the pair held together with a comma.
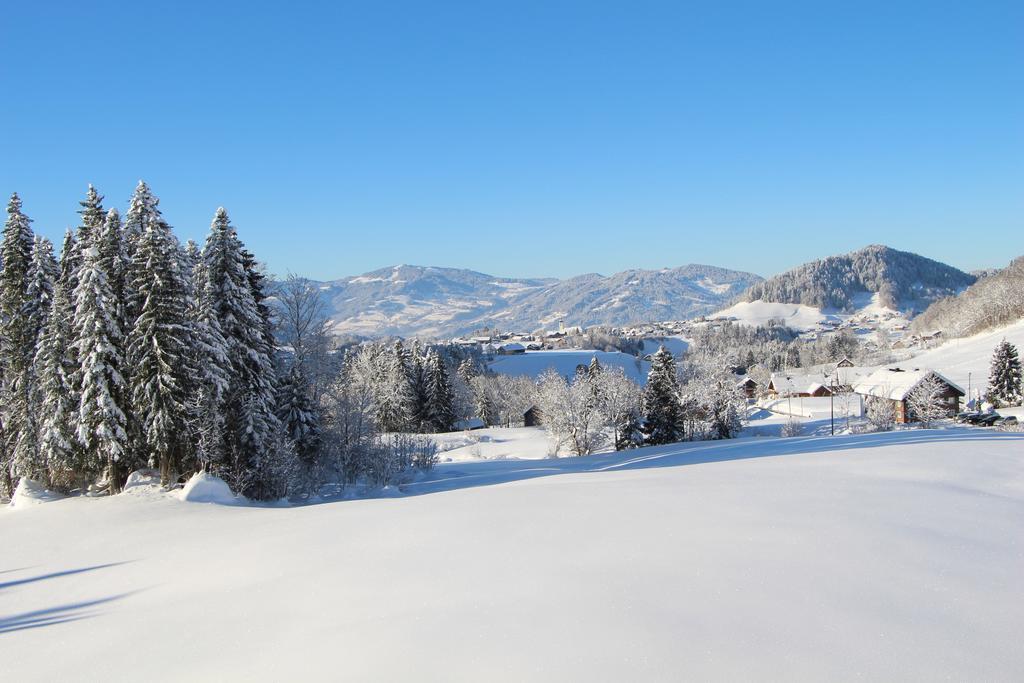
x: 600, y: 407
x: 132, y: 351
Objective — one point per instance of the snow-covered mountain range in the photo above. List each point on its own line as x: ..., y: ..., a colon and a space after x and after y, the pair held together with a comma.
x: 427, y: 301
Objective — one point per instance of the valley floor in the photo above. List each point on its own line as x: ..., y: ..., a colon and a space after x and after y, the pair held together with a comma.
x: 881, y: 557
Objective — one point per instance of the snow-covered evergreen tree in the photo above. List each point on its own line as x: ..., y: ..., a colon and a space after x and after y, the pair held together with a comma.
x: 394, y: 399
x: 1004, y: 383
x: 101, y: 415
x: 142, y: 209
x: 92, y: 218
x: 42, y: 277
x: 55, y: 365
x: 159, y: 349
x: 251, y: 422
x: 212, y: 380
x: 301, y: 423
x: 440, y: 408
x: 17, y: 338
x: 662, y: 423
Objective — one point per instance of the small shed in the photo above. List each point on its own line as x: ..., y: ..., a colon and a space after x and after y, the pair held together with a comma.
x: 532, y: 417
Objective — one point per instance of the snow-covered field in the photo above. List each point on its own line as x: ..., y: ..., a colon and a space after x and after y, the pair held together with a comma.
x: 881, y: 557
x: 966, y: 361
x: 760, y: 313
x: 493, y: 443
x: 534, y: 363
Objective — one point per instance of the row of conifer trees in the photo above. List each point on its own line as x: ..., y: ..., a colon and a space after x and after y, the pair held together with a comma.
x: 130, y: 350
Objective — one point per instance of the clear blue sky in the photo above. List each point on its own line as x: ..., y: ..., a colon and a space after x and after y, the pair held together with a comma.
x: 530, y: 138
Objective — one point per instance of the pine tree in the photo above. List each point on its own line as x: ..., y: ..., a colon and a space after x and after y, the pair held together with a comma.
x: 251, y: 422
x: 42, y: 276
x: 301, y: 423
x: 142, y: 209
x: 213, y: 375
x: 92, y: 218
x: 109, y: 240
x: 440, y: 401
x: 1004, y: 384
x: 101, y: 416
x: 17, y: 338
x: 159, y: 348
x: 662, y: 423
x: 55, y: 366
x: 395, y: 401
x: 415, y: 363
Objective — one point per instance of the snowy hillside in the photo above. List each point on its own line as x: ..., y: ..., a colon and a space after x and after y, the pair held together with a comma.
x: 445, y: 302
x: 966, y: 361
x: 878, y: 557
x: 865, y: 308
x: 534, y: 363
x: 903, y: 281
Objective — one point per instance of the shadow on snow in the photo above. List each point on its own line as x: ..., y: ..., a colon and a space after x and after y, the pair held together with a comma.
x: 453, y: 476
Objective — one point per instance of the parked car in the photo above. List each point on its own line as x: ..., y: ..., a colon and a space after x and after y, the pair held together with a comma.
x: 988, y: 420
x: 967, y: 417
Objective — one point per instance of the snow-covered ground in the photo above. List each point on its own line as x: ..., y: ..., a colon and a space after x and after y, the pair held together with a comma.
x: 966, y: 361
x: 493, y: 443
x: 677, y: 346
x: 534, y: 363
x: 876, y: 557
x: 867, y: 309
x: 760, y: 313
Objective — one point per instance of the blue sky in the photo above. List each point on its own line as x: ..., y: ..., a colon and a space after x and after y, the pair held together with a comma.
x: 530, y: 138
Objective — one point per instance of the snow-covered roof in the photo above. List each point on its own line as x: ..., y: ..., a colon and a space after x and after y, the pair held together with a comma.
x: 791, y: 383
x: 896, y: 384
x: 512, y: 346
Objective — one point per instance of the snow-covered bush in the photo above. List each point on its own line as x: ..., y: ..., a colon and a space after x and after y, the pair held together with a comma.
x: 881, y: 414
x: 926, y: 403
x: 792, y: 428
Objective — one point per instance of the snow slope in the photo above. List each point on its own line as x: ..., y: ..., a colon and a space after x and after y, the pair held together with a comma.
x: 880, y: 557
x: 534, y: 363
x: 759, y: 313
x: 966, y: 361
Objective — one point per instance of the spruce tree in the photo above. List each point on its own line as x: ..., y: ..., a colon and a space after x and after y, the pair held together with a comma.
x: 1004, y: 384
x: 159, y: 348
x: 17, y: 338
x: 251, y: 423
x: 92, y: 218
x: 300, y: 422
x: 142, y: 209
x: 440, y: 400
x: 213, y: 375
x: 101, y: 415
x: 55, y: 365
x: 42, y: 276
x: 662, y: 420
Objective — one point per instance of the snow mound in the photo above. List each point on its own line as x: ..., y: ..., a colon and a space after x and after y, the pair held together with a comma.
x: 142, y: 478
x: 30, y: 492
x: 204, y: 487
